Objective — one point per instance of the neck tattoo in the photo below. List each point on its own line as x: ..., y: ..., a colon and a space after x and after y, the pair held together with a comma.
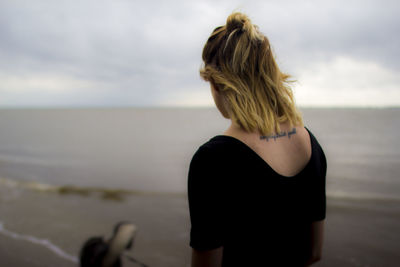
x: 281, y: 134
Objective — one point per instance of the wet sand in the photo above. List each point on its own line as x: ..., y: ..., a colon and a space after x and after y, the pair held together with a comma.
x: 67, y: 220
x: 358, y: 232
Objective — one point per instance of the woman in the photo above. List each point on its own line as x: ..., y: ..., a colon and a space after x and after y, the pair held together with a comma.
x: 257, y: 192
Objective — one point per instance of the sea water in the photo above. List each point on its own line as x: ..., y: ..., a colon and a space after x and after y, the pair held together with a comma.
x: 149, y: 149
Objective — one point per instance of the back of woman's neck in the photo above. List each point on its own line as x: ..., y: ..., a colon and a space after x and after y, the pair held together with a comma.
x: 238, y: 132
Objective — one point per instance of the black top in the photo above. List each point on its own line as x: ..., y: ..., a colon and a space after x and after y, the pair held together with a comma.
x: 238, y: 201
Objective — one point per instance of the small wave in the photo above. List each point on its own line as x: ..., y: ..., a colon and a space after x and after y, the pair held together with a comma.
x: 105, y: 193
x: 42, y: 242
x: 29, y: 185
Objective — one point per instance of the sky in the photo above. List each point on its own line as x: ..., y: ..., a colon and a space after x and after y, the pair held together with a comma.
x: 99, y: 53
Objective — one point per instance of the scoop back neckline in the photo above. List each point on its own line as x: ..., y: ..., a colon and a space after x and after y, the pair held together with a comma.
x: 266, y: 163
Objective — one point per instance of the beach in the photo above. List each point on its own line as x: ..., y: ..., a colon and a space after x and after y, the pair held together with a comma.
x: 57, y: 188
x: 357, y: 233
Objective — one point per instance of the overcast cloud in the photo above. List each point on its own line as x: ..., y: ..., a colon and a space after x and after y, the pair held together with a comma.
x: 147, y: 53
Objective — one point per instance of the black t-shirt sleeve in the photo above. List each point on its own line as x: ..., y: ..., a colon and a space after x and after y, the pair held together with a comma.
x: 318, y: 195
x: 205, y: 200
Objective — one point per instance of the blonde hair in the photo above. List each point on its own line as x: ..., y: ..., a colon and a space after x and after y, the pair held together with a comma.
x: 238, y: 61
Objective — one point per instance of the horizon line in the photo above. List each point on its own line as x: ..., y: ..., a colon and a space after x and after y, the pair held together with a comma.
x: 185, y: 107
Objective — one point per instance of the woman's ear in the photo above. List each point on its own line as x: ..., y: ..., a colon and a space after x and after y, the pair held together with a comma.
x: 219, y: 100
x: 214, y: 86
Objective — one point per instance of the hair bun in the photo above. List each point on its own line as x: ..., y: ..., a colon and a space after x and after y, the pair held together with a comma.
x: 239, y: 21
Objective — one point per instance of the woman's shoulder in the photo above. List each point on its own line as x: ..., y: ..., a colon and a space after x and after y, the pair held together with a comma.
x: 218, y: 148
x: 317, y: 149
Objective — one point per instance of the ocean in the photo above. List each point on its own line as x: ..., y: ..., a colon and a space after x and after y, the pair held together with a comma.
x: 149, y: 149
